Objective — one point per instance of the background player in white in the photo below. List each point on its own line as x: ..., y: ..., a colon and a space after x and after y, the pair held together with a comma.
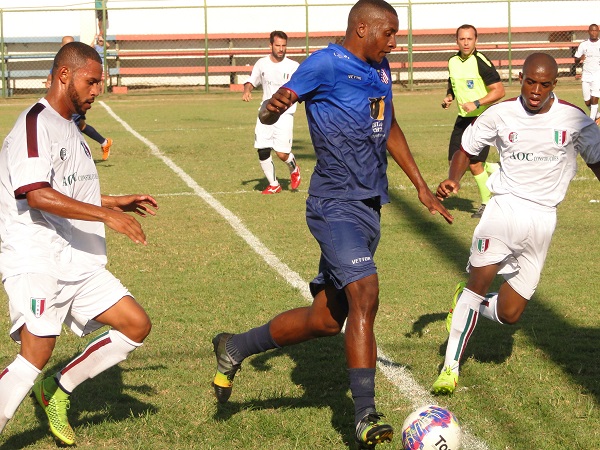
x: 538, y: 138
x: 588, y: 53
x: 53, y: 252
x: 272, y: 72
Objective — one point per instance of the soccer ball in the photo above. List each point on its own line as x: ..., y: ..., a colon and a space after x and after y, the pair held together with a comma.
x: 431, y: 427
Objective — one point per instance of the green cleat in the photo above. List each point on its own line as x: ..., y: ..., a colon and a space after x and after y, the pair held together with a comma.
x: 457, y: 291
x: 445, y: 383
x: 226, y: 370
x: 55, y: 403
x: 371, y: 430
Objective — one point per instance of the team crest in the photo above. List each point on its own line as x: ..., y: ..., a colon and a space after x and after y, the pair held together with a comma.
x: 86, y: 150
x: 38, y: 306
x: 513, y: 137
x: 482, y: 244
x: 560, y: 137
x: 63, y: 154
x: 470, y: 84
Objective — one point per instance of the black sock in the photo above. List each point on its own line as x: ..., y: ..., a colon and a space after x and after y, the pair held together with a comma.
x: 362, y: 387
x: 256, y: 340
x: 91, y: 132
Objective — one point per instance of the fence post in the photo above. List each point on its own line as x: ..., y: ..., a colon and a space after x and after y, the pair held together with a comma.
x: 409, y: 39
x: 3, y: 67
x: 206, y: 87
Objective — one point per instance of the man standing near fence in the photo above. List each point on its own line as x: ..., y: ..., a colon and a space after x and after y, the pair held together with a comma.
x: 588, y: 53
x: 272, y: 72
x: 475, y: 84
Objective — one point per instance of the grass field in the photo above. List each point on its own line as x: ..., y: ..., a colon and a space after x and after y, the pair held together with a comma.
x: 535, y: 385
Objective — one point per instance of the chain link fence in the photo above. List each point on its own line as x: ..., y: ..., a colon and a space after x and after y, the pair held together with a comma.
x: 202, y: 46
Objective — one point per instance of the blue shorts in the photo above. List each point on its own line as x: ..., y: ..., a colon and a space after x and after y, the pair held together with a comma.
x: 348, y: 232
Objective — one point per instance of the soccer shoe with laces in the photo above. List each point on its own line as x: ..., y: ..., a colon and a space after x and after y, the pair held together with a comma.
x: 106, y: 149
x: 295, y: 178
x: 477, y: 214
x: 445, y: 383
x: 371, y: 430
x: 272, y: 189
x: 226, y: 369
x: 457, y: 291
x: 55, y: 403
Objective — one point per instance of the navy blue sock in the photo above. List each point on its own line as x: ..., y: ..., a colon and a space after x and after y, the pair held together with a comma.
x: 91, y: 132
x: 256, y: 340
x: 362, y: 387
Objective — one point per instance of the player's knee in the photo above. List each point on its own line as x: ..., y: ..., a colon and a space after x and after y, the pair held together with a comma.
x: 264, y: 153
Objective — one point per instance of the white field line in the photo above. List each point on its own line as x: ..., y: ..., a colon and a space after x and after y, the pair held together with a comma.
x: 396, y: 373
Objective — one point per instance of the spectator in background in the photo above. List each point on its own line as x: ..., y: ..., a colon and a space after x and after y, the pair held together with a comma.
x: 475, y: 84
x: 101, y: 15
x: 79, y: 119
x: 272, y: 72
x: 588, y: 53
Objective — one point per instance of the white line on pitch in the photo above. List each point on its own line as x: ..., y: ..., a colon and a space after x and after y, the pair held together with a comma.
x: 397, y: 374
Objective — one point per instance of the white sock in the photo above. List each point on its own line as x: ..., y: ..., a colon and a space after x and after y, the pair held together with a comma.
x: 269, y: 169
x: 488, y: 308
x: 105, y: 351
x: 464, y: 320
x: 594, y: 111
x: 291, y: 162
x: 15, y: 382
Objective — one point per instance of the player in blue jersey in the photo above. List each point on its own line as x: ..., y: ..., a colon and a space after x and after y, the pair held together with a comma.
x: 348, y: 95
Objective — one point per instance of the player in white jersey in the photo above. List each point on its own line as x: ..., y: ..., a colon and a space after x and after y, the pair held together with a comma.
x: 272, y: 72
x: 53, y: 251
x: 538, y: 138
x: 588, y: 53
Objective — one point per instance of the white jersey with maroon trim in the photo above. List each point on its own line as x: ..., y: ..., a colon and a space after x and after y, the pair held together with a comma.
x: 272, y: 75
x: 45, y: 150
x: 538, y: 152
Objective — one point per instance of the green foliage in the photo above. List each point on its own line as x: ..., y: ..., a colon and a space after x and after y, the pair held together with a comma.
x: 532, y: 385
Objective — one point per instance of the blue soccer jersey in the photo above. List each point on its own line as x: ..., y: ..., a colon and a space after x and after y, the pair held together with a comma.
x: 349, y: 111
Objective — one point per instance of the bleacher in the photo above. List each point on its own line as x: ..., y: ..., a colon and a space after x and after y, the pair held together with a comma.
x: 227, y: 59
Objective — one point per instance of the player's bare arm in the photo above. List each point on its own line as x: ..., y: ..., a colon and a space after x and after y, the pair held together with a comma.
x: 398, y: 148
x: 137, y: 203
x: 272, y: 109
x: 247, y: 95
x: 52, y: 201
x: 458, y: 167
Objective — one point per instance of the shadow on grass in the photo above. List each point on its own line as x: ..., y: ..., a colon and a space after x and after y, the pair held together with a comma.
x: 572, y: 348
x: 320, y: 369
x: 103, y: 398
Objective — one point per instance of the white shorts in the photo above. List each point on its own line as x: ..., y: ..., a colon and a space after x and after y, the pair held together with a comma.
x: 44, y: 303
x: 515, y: 233
x: 278, y: 136
x: 590, y: 88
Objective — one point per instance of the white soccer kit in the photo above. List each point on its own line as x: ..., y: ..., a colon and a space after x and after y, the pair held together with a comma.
x: 538, y: 155
x: 62, y: 255
x: 272, y: 75
x: 590, y: 73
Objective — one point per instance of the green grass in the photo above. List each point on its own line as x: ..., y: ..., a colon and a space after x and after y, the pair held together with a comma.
x: 533, y: 385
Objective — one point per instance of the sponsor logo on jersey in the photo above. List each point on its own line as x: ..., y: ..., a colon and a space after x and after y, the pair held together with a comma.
x: 377, y: 107
x: 63, y: 154
x: 354, y: 77
x: 38, y: 306
x: 560, y: 137
x: 513, y: 137
x: 86, y: 150
x: 482, y: 244
x: 470, y: 84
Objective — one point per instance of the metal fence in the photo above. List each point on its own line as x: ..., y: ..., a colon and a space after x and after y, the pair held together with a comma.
x: 205, y: 46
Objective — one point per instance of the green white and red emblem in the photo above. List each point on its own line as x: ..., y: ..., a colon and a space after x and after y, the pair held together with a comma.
x: 482, y: 244
x: 560, y: 137
x: 38, y: 306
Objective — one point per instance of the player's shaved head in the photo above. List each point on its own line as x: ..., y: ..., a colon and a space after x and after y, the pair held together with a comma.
x: 364, y: 10
x: 74, y: 55
x: 540, y: 62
